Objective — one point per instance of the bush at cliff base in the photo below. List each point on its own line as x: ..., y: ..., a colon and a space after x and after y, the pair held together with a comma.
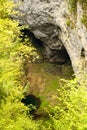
x: 70, y: 113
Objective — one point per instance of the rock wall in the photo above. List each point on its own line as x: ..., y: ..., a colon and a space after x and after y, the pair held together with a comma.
x: 60, y: 31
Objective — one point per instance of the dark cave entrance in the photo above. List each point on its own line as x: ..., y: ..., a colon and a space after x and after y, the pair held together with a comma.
x: 32, y: 101
x: 58, y: 56
x: 60, y: 63
x: 56, y: 68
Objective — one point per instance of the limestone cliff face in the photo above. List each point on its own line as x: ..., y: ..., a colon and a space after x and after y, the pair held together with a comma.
x: 60, y: 31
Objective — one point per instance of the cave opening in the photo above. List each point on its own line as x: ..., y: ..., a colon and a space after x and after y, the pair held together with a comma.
x: 56, y: 56
x: 56, y: 68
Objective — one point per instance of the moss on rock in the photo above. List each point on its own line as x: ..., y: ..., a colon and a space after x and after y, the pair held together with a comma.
x: 73, y: 8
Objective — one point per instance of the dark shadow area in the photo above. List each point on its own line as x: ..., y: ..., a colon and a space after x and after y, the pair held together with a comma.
x: 35, y: 41
x: 32, y: 101
x: 56, y: 56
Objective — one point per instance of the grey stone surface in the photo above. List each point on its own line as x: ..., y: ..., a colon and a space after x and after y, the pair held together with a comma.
x: 47, y: 20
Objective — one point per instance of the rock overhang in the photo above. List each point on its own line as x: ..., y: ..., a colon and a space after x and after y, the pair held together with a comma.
x: 47, y: 21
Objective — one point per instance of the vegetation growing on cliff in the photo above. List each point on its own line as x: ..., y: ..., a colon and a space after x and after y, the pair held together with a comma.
x: 73, y: 8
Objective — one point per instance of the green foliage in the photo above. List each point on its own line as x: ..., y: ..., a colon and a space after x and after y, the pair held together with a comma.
x: 70, y: 113
x: 68, y: 22
x: 13, y: 114
x: 72, y: 5
x: 84, y: 20
x: 84, y: 16
x: 73, y: 8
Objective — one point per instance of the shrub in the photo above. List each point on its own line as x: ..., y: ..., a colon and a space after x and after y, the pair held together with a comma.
x: 13, y: 114
x: 72, y: 5
x: 84, y: 20
x: 71, y: 111
x: 73, y: 8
